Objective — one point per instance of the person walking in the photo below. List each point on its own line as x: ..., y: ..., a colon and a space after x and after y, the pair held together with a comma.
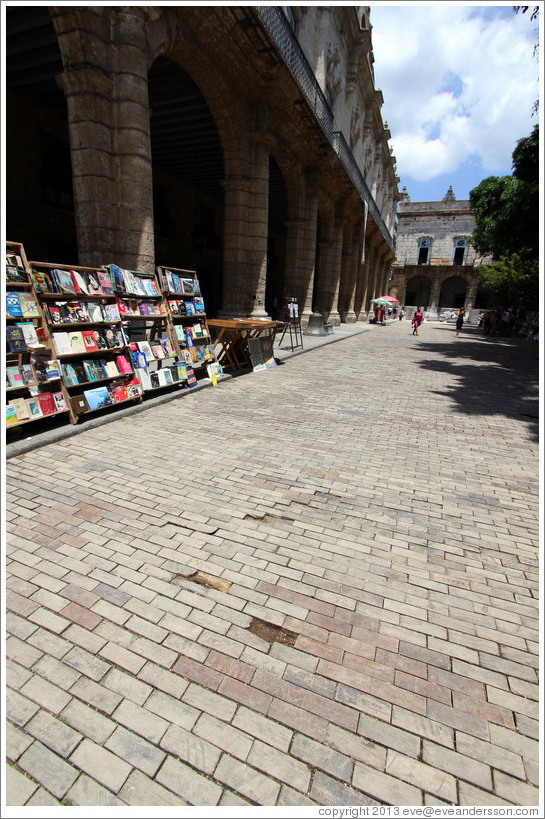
x: 417, y: 320
x: 460, y: 320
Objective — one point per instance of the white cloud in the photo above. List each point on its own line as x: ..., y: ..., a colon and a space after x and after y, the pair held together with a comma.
x: 458, y: 82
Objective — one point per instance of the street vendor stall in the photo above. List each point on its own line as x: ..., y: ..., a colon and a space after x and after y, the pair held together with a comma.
x: 230, y: 339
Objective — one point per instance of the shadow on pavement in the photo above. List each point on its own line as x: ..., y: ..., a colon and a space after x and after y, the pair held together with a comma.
x: 498, y: 376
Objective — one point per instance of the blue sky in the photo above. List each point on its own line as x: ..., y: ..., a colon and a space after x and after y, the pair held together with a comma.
x: 459, y: 81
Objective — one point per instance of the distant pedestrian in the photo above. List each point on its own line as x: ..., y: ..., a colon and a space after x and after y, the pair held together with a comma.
x: 460, y: 320
x: 417, y: 320
x: 487, y: 323
x: 401, y: 314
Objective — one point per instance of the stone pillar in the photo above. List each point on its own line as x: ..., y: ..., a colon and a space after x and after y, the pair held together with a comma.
x: 434, y: 294
x: 351, y: 262
x: 362, y: 285
x: 301, y: 245
x: 330, y: 271
x: 246, y: 203
x: 471, y: 292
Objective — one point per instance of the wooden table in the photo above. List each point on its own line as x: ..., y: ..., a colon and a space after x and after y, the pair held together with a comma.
x: 230, y: 337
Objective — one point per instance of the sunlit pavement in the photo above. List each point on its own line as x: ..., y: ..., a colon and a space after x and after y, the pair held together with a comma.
x: 311, y: 585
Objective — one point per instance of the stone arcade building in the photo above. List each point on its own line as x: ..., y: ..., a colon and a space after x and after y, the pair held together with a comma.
x: 244, y: 142
x: 435, y: 265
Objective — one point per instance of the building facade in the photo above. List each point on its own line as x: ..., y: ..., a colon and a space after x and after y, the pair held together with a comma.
x: 435, y: 266
x: 246, y: 143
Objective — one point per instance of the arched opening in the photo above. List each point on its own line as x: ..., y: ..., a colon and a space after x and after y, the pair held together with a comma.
x: 453, y: 292
x: 276, y: 244
x: 417, y: 292
x: 188, y: 170
x: 38, y: 180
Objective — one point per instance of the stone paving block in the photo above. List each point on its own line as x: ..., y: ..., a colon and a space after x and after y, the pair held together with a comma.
x: 89, y: 665
x: 213, y: 704
x: 21, y: 652
x: 247, y: 781
x: 262, y: 728
x: 356, y: 747
x: 141, y: 790
x: 458, y: 764
x: 122, y: 657
x: 328, y: 791
x: 53, y: 733
x: 298, y: 719
x: 16, y: 675
x: 16, y: 742
x: 87, y: 721
x: 319, y: 756
x: 172, y: 709
x: 18, y: 626
x: 49, y: 643
x: 135, y: 751
x: 388, y: 735
x: 281, y: 766
x: 19, y: 788
x: 163, y: 679
x: 194, y: 750
x: 86, y: 791
x: 95, y: 694
x: 385, y: 788
x: 187, y: 783
x: 100, y: 764
x: 46, y: 694
x: 422, y: 726
x: 496, y: 756
x: 228, y: 738
x: 471, y: 795
x: 127, y: 686
x: 290, y: 798
x: 511, y: 703
x: 56, y: 672
x: 41, y: 798
x: 47, y: 769
x: 140, y: 720
x: 367, y: 703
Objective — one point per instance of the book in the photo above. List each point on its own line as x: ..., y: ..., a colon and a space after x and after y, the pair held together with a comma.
x: 41, y: 281
x: 113, y: 338
x: 77, y: 312
x: 112, y: 369
x: 39, y: 369
x: 11, y: 416
x: 123, y: 364
x: 62, y: 343
x: 64, y: 280
x: 96, y: 312
x: 34, y: 408
x: 28, y: 374
x: 28, y: 305
x: 21, y: 408
x: 13, y: 305
x: 105, y: 282
x: 100, y: 340
x: 188, y: 286
x: 80, y: 282
x: 158, y: 350
x: 167, y: 346
x: 16, y: 274
x: 89, y: 340
x: 14, y: 377
x: 52, y: 371
x: 190, y: 308
x: 80, y: 372
x: 145, y: 348
x: 199, y: 304
x: 79, y: 404
x: 47, y: 404
x: 53, y: 313
x: 116, y: 277
x: 76, y: 342
x: 90, y: 371
x: 93, y: 283
x: 119, y: 392
x: 69, y: 374
x: 98, y: 397
x: 15, y: 339
x: 191, y: 378
x: 150, y: 287
x: 111, y: 312
x: 134, y: 388
x: 196, y: 287
x: 30, y: 335
x: 138, y: 358
x: 122, y: 306
x: 60, y: 402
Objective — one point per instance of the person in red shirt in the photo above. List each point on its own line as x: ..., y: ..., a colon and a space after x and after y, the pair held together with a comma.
x: 417, y: 320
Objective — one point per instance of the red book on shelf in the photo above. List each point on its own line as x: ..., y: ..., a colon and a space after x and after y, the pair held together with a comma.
x: 89, y: 340
x: 47, y: 403
x: 124, y: 364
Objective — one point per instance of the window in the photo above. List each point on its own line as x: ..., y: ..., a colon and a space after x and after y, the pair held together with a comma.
x: 424, y: 250
x: 460, y: 247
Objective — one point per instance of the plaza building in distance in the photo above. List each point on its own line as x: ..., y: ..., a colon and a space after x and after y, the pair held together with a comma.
x: 245, y: 143
x: 435, y: 265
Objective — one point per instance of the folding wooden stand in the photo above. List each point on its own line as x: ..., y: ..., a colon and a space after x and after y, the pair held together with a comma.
x: 291, y: 320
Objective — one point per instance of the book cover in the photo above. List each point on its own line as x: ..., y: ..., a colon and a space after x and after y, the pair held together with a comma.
x: 79, y: 404
x: 143, y: 308
x: 30, y: 335
x: 145, y: 348
x: 89, y: 341
x: 21, y: 408
x: 122, y: 306
x: 124, y: 364
x: 100, y: 340
x: 139, y: 284
x: 14, y: 377
x: 69, y: 374
x: 28, y: 374
x: 28, y: 305
x: 52, y: 370
x: 80, y: 282
x: 112, y: 338
x: 166, y: 344
x: 93, y: 283
x: 41, y: 283
x: 76, y: 342
x: 96, y: 313
x: 119, y: 393
x: 112, y: 369
x: 77, y: 312
x: 196, y: 287
x: 98, y: 397
x: 80, y: 372
x: 34, y: 408
x: 90, y: 371
x: 167, y: 375
x: 47, y: 405
x: 190, y: 308
x: 15, y: 274
x: 181, y: 370
x: 138, y: 358
x: 111, y: 312
x: 144, y: 378
x: 150, y: 287
x: 11, y: 416
x: 105, y: 283
x: 188, y: 286
x: 199, y: 304
x: 158, y: 351
x: 60, y: 402
x: 176, y: 283
x: 191, y: 378
x: 134, y: 388
x: 13, y: 305
x: 53, y: 313
x: 64, y: 280
x: 116, y: 275
x: 15, y: 339
x: 62, y: 343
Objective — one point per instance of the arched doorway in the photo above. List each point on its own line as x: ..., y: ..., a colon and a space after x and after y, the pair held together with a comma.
x: 38, y: 180
x: 453, y: 292
x: 417, y: 292
x: 188, y: 171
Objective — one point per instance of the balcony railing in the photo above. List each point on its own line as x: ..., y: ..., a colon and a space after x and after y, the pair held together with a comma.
x: 291, y: 52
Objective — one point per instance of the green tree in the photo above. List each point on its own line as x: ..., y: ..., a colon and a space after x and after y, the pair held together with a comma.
x: 512, y: 282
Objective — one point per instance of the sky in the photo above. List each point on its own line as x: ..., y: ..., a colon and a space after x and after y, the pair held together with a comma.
x: 459, y: 82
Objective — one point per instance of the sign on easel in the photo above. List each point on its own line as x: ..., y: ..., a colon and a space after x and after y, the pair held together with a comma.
x: 292, y: 322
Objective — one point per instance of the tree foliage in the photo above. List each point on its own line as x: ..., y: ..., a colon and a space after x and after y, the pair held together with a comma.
x: 506, y: 212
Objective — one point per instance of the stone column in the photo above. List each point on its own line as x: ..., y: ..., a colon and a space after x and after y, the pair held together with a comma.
x: 301, y: 245
x: 434, y: 294
x: 362, y: 284
x: 237, y: 188
x: 330, y: 272
x: 471, y: 292
x: 351, y: 259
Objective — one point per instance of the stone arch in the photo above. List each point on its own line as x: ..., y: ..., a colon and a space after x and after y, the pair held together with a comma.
x: 453, y: 292
x: 417, y: 291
